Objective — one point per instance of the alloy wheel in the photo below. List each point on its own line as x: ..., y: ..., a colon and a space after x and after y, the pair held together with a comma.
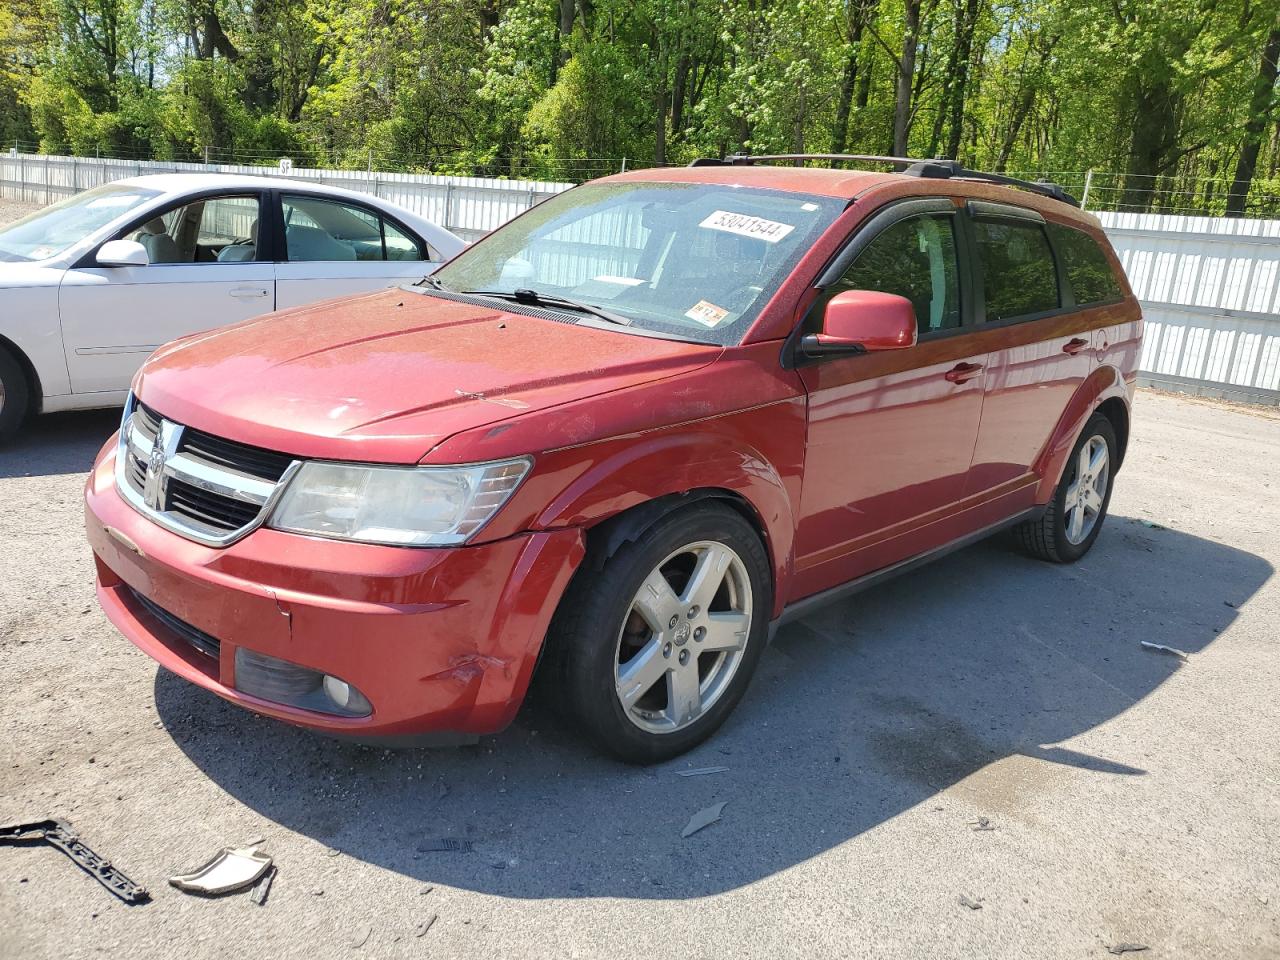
x: 683, y: 637
x: 1087, y: 491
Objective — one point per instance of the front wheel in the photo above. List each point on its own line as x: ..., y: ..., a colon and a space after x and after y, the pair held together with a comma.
x: 1073, y: 518
x: 655, y: 647
x: 15, y: 397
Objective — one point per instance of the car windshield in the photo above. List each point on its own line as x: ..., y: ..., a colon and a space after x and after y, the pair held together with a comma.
x: 48, y: 232
x: 695, y: 261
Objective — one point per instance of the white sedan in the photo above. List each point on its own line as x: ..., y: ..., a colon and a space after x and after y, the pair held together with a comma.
x: 90, y: 286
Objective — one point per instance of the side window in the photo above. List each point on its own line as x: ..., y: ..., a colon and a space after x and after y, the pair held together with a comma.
x: 213, y: 230
x: 400, y: 246
x: 1018, y: 273
x: 916, y: 259
x: 1088, y: 270
x: 328, y: 230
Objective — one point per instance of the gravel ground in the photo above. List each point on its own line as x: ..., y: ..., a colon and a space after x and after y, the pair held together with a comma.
x: 1129, y: 796
x: 12, y: 210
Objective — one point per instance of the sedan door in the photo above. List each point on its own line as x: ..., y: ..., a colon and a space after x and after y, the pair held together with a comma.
x: 334, y: 248
x: 891, y: 434
x: 205, y: 272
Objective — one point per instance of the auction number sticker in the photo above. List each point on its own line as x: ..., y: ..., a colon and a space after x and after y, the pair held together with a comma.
x: 758, y: 228
x: 706, y: 313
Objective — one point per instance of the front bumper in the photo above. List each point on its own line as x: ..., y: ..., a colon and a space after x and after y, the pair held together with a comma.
x: 439, y: 640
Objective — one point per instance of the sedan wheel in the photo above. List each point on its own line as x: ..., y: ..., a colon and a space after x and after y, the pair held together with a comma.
x: 14, y: 396
x: 683, y: 637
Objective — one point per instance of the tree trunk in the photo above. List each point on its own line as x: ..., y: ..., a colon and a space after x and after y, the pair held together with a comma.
x: 860, y: 13
x: 1155, y: 131
x: 848, y: 82
x: 1260, y: 105
x: 564, y: 27
x: 960, y: 79
x: 906, y: 74
x: 1020, y: 111
x: 679, y: 94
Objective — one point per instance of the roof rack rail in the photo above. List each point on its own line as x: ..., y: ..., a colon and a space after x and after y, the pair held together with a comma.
x: 937, y: 169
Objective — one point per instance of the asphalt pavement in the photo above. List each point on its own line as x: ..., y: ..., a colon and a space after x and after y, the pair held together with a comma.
x: 976, y: 760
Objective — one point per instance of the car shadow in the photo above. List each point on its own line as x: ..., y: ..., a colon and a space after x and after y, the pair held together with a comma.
x: 971, y: 671
x: 58, y: 443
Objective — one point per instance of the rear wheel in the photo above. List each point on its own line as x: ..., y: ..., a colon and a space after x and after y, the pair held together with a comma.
x: 655, y: 648
x: 15, y: 396
x: 1072, y: 520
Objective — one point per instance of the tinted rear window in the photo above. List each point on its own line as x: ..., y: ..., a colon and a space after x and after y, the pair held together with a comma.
x: 1088, y: 270
x: 1018, y: 273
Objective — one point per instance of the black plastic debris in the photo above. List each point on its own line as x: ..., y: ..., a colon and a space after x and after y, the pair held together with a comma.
x: 1120, y: 948
x: 445, y: 845
x: 981, y: 824
x: 970, y: 903
x: 58, y: 833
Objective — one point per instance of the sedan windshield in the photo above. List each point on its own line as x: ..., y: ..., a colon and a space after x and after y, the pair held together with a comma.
x: 695, y: 261
x: 48, y: 232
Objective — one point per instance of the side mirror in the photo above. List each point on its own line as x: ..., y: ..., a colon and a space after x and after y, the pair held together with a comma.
x: 859, y: 321
x: 122, y: 253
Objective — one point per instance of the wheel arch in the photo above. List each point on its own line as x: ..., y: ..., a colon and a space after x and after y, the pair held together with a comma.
x: 28, y: 371
x: 1117, y: 411
x: 1103, y: 390
x: 622, y: 495
x: 606, y: 537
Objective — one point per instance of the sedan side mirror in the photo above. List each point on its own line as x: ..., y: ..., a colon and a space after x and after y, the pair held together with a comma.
x: 859, y: 321
x: 122, y: 253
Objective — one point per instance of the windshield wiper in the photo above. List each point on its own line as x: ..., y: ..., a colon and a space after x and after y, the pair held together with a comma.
x: 533, y: 298
x: 435, y: 283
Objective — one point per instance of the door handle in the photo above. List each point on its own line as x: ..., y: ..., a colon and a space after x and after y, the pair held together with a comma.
x: 249, y: 293
x: 963, y: 372
x: 1074, y: 346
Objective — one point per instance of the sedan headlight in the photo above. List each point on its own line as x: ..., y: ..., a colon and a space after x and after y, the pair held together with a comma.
x: 405, y: 506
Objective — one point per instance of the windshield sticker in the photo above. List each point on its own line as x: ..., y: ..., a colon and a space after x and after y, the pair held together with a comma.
x: 42, y: 253
x: 758, y: 228
x: 706, y: 313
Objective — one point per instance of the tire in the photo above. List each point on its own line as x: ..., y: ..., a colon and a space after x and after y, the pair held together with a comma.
x: 15, y: 396
x: 1068, y: 527
x: 604, y: 644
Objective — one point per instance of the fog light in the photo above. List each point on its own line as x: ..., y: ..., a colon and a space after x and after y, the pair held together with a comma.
x: 296, y: 686
x: 346, y: 697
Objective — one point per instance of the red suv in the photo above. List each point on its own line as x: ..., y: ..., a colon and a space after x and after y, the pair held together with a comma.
x: 619, y: 440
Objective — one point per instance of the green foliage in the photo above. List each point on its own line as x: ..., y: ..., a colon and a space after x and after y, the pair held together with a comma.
x: 1161, y: 92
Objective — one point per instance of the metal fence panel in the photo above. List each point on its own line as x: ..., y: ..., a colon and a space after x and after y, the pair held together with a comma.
x: 1210, y: 291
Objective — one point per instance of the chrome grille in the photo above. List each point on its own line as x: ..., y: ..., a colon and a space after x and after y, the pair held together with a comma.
x: 203, y: 487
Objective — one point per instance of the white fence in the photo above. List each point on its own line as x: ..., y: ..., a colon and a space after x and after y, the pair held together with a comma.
x: 1210, y: 291
x: 469, y: 206
x: 1210, y: 287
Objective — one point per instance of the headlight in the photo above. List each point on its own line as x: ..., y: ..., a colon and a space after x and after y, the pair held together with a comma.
x: 406, y: 506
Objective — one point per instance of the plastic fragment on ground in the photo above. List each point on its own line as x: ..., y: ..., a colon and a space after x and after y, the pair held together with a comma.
x: 703, y: 818
x: 230, y: 870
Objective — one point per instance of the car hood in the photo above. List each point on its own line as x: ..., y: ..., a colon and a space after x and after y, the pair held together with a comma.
x: 385, y: 377
x: 28, y: 274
